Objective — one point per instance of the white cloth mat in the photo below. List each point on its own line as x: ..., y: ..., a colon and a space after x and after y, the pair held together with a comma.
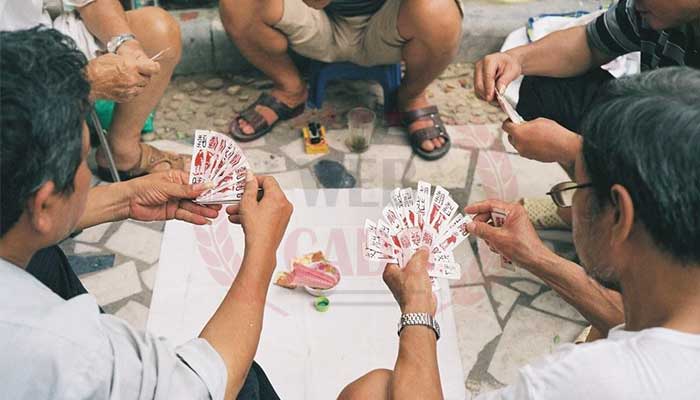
x: 306, y: 354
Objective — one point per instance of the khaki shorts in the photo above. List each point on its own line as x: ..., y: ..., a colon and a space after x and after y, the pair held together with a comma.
x: 364, y: 40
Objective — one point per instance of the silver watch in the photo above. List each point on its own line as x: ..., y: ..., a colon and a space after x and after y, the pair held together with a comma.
x: 115, y: 43
x: 419, y: 319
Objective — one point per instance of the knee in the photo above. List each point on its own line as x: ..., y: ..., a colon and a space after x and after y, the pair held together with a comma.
x: 374, y: 385
x: 436, y: 22
x: 237, y: 16
x: 162, y: 29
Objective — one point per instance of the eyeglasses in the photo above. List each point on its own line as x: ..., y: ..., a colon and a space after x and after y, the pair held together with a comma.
x: 563, y: 193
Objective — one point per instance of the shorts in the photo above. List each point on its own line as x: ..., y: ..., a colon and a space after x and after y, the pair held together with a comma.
x: 71, y: 25
x: 364, y: 40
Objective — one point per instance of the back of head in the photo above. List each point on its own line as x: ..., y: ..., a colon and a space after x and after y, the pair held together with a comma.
x: 43, y: 103
x: 645, y: 136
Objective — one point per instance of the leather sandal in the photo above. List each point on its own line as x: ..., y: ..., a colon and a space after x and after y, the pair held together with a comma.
x: 150, y: 157
x: 432, y: 132
x: 258, y: 122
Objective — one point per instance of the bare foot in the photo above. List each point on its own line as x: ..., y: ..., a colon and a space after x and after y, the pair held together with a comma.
x: 290, y: 99
x: 425, y: 122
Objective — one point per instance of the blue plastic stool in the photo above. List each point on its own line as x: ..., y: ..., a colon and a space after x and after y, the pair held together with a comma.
x: 389, y: 76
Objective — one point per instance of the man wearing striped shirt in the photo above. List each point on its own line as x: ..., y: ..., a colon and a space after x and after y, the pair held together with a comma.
x: 562, y: 74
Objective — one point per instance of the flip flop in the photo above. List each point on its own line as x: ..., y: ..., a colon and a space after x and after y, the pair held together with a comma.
x: 150, y: 157
x: 258, y: 122
x: 421, y: 135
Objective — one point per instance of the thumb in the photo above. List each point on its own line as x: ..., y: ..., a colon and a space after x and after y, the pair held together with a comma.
x: 391, y: 273
x: 250, y: 192
x: 185, y: 191
x: 483, y: 230
x: 509, y: 74
x: 419, y: 260
x: 148, y: 67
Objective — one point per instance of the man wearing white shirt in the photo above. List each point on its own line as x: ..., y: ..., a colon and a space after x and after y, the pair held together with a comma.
x: 636, y: 221
x: 64, y: 348
x: 119, y: 46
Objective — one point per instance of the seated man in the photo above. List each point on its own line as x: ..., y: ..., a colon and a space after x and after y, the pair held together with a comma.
x: 126, y: 74
x: 64, y: 348
x: 563, y: 78
x: 636, y: 214
x: 425, y: 35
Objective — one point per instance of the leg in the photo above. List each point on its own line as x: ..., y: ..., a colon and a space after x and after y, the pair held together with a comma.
x: 250, y: 24
x: 50, y: 266
x: 564, y: 100
x: 376, y: 385
x: 432, y: 31
x: 156, y: 30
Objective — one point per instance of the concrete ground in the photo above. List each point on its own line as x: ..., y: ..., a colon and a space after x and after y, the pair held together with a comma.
x: 504, y: 318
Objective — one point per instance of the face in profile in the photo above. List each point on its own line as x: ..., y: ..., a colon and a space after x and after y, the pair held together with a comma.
x: 665, y: 14
x: 71, y: 205
x: 591, y: 230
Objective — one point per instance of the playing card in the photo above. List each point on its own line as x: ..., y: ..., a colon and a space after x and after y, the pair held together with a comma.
x: 508, y: 108
x: 422, y: 203
x: 216, y: 158
x: 498, y: 216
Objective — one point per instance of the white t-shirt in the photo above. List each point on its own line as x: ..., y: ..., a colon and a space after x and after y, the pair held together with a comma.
x: 655, y: 363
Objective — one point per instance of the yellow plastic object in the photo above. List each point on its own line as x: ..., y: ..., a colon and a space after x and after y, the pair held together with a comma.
x: 315, y: 148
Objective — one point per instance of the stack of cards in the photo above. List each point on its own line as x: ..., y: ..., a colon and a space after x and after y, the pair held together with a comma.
x: 216, y: 158
x: 508, y: 108
x: 413, y: 220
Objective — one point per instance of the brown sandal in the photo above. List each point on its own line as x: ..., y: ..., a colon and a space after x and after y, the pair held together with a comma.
x: 150, y: 157
x: 421, y: 135
x: 258, y: 122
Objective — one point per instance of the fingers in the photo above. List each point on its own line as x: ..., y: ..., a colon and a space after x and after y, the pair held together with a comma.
x: 250, y: 192
x: 180, y: 191
x: 270, y: 187
x: 484, y: 231
x: 233, y: 209
x: 486, y: 206
x: 187, y: 216
x: 508, y: 75
x: 479, y: 80
x: 198, y: 209
x: 391, y: 274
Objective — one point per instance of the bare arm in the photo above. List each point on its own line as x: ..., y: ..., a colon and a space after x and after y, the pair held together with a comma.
x: 416, y: 374
x: 600, y: 306
x: 105, y: 19
x: 234, y: 330
x: 560, y: 54
x: 106, y: 203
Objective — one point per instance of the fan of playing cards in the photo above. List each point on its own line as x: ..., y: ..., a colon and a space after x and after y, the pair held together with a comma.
x: 216, y: 158
x: 414, y: 220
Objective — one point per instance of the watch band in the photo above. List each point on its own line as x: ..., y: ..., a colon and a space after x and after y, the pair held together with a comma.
x: 410, y: 319
x: 115, y: 43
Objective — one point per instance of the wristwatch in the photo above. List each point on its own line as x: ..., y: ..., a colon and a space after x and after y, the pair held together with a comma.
x: 419, y: 319
x: 116, y: 42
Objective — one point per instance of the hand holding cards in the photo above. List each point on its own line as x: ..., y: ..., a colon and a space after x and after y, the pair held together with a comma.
x: 216, y: 158
x: 508, y: 108
x: 414, y: 220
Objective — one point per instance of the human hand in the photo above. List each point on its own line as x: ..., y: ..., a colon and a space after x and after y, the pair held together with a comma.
x: 317, y: 4
x: 123, y: 76
x: 411, y: 286
x: 164, y: 196
x: 264, y: 222
x: 543, y: 140
x: 517, y: 239
x: 495, y: 72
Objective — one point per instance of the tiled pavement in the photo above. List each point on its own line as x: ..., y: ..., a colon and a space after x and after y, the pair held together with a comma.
x: 504, y: 318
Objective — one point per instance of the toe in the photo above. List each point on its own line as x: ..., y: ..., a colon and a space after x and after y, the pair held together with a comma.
x: 427, y: 145
x: 437, y: 143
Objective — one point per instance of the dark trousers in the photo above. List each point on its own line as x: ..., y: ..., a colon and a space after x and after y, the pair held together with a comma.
x: 564, y: 100
x: 51, y: 267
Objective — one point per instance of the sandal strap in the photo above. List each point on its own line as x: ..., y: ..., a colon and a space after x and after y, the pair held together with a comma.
x: 254, y: 118
x: 421, y: 135
x: 409, y: 117
x: 283, y: 111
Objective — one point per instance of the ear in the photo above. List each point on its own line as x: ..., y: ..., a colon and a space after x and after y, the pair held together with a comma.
x: 39, y: 208
x: 623, y: 214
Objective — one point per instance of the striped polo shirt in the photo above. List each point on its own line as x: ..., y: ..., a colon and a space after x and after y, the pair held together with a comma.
x: 353, y: 8
x: 622, y: 30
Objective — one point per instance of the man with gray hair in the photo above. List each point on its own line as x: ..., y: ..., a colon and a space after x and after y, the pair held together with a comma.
x: 635, y: 201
